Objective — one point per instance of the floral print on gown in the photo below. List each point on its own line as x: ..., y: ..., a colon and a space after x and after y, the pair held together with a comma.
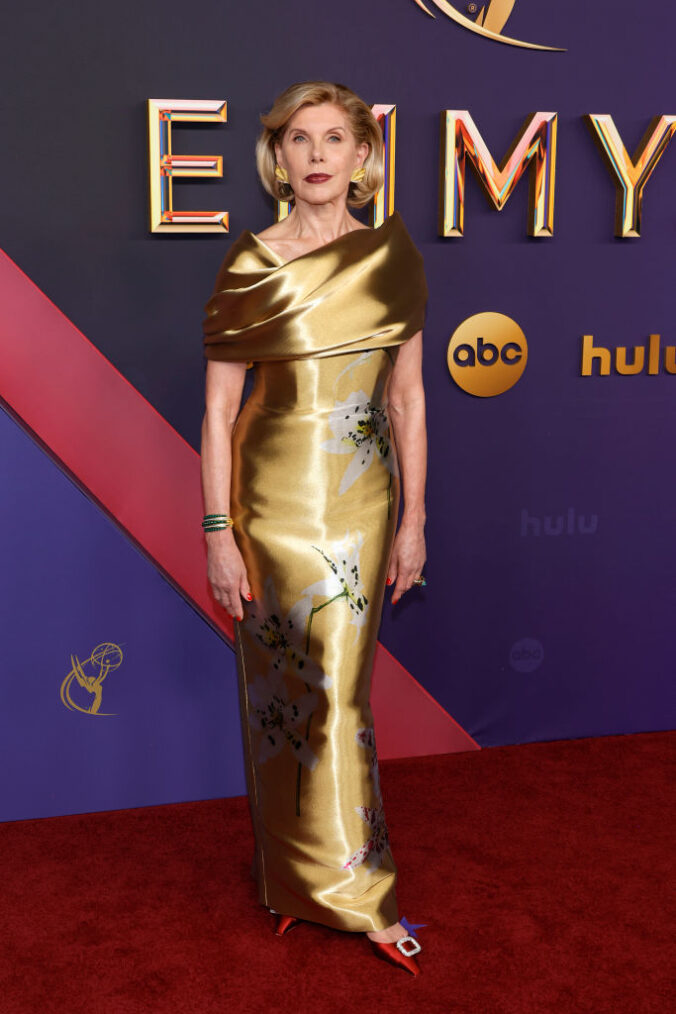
x: 315, y: 491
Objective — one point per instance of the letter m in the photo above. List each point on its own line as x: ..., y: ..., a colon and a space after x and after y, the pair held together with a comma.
x: 534, y: 147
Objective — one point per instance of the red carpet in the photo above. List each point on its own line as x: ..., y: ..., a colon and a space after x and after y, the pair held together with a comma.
x: 544, y: 873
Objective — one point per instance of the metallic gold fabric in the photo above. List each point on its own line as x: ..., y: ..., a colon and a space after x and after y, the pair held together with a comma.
x: 364, y: 290
x: 315, y: 493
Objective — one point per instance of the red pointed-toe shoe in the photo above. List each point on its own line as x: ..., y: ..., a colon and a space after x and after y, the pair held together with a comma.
x: 399, y: 953
x: 285, y: 923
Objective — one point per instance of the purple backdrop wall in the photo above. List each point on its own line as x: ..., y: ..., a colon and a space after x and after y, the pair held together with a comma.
x: 521, y: 636
x: 168, y: 727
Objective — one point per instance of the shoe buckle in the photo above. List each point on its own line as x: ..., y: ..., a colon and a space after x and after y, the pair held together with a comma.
x: 413, y: 948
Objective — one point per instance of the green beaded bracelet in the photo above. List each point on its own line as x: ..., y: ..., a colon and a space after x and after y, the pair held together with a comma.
x: 217, y: 522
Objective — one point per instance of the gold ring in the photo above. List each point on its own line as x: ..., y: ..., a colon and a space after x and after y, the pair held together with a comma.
x: 419, y: 580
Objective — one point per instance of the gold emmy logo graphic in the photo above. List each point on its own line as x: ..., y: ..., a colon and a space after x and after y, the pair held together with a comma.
x: 489, y: 20
x: 487, y: 354
x: 104, y: 659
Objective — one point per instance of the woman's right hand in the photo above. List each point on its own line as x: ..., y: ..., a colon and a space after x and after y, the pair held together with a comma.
x: 226, y: 572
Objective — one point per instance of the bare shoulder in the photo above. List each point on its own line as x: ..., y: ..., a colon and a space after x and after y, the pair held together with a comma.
x: 277, y: 237
x: 272, y: 231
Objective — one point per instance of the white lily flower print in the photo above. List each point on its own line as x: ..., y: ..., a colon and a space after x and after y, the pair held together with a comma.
x: 343, y: 580
x: 373, y: 850
x: 360, y: 428
x: 284, y: 636
x: 354, y: 365
x: 276, y: 716
x: 367, y: 739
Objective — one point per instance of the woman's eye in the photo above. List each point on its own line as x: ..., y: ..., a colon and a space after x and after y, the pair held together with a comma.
x: 299, y: 137
x: 334, y: 137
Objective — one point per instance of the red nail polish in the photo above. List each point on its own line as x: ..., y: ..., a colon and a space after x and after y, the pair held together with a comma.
x: 389, y: 580
x: 249, y: 596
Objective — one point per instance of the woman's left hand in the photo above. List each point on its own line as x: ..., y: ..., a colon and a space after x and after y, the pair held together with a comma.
x: 407, y: 558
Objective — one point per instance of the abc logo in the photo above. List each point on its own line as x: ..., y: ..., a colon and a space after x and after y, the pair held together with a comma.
x: 526, y: 655
x: 487, y: 354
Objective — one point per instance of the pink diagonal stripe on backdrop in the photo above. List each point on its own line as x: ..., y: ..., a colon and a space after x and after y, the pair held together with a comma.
x: 127, y: 457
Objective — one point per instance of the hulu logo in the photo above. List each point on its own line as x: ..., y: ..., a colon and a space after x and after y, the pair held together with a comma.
x: 648, y: 358
x: 570, y: 523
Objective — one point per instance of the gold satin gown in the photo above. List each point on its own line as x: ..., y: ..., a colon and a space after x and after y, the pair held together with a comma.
x: 314, y: 496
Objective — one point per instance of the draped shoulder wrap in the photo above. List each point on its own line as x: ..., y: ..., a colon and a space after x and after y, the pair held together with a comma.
x: 364, y: 290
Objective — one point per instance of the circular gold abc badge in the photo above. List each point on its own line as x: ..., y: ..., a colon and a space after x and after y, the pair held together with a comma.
x: 487, y: 354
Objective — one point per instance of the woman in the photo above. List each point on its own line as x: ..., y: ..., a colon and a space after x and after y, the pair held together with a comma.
x: 301, y: 490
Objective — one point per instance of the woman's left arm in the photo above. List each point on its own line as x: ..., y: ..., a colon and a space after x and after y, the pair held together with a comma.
x: 406, y: 408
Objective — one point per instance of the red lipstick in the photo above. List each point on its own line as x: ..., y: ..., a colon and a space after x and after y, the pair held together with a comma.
x: 317, y: 178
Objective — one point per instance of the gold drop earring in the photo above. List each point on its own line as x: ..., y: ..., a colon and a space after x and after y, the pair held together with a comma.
x: 281, y: 174
x: 358, y: 175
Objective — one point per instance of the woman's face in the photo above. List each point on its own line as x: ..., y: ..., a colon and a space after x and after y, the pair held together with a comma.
x: 320, y: 153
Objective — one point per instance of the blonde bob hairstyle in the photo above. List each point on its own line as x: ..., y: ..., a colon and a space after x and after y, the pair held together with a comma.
x: 363, y: 125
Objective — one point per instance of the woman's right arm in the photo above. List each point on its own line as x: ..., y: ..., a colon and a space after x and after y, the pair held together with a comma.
x: 225, y: 566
